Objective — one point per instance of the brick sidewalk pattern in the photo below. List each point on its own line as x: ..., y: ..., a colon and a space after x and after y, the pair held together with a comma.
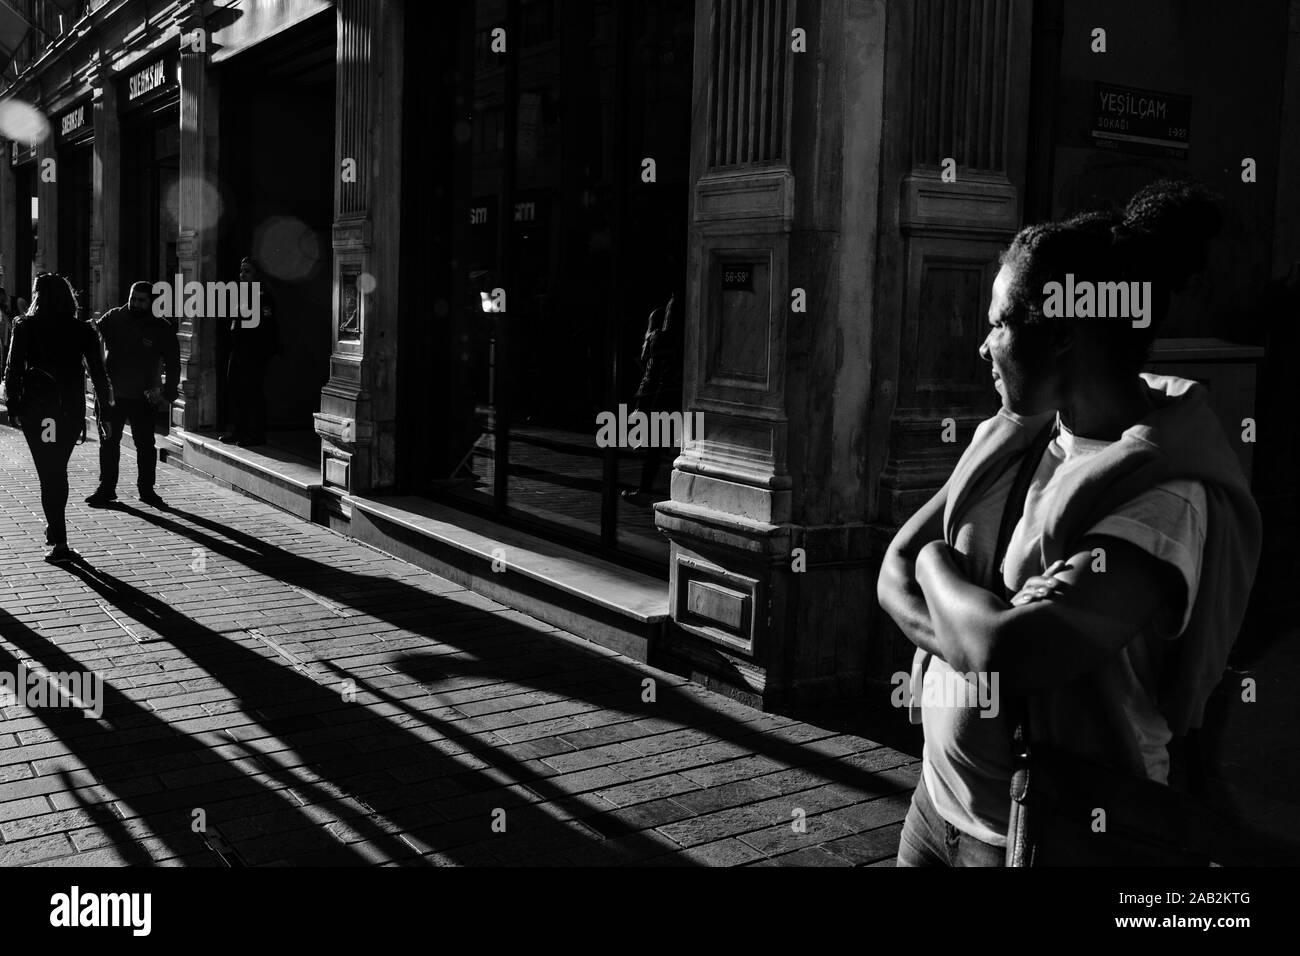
x: 278, y: 694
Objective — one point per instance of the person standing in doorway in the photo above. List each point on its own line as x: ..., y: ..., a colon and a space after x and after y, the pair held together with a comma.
x: 252, y: 344
x: 44, y: 382
x: 138, y: 344
x: 660, y: 389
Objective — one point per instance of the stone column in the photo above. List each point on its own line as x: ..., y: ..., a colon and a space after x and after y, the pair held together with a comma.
x: 106, y: 183
x: 358, y: 417
x: 961, y: 107
x: 196, y: 408
x: 769, y: 584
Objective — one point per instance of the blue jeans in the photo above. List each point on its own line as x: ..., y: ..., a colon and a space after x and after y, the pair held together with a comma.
x: 930, y: 840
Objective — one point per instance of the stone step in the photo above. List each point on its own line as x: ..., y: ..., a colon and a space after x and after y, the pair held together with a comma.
x: 602, y: 602
x: 274, y: 476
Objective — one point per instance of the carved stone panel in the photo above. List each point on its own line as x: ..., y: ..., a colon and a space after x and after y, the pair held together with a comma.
x: 951, y: 321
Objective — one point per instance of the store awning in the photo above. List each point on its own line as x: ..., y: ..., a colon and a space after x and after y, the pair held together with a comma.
x: 15, y: 24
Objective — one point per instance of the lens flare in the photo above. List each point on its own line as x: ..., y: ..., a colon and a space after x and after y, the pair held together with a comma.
x: 287, y: 248
x: 23, y: 123
x: 210, y: 208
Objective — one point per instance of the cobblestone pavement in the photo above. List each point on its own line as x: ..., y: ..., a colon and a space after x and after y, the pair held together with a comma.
x: 275, y: 693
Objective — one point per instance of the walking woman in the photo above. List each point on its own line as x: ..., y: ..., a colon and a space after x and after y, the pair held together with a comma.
x: 46, y: 387
x: 1126, y: 574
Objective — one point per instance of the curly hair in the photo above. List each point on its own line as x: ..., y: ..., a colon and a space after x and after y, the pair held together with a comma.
x: 1162, y: 236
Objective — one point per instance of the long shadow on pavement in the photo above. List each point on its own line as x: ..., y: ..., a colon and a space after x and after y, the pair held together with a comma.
x: 416, y: 611
x: 448, y: 809
x: 156, y: 748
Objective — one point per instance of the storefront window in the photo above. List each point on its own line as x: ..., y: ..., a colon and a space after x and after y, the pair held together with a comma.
x: 565, y: 251
x: 150, y: 197
x: 28, y: 210
x: 76, y: 204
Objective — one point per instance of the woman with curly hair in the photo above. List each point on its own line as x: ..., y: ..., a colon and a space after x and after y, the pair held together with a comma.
x: 1126, y: 574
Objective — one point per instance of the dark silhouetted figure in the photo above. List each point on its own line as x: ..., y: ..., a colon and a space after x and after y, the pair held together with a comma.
x: 138, y: 343
x: 45, y: 384
x: 251, y: 348
x: 660, y: 389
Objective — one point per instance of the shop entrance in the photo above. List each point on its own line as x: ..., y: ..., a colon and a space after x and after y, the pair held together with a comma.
x: 277, y: 175
x: 27, y: 211
x: 151, y: 163
x: 76, y: 204
x: 532, y: 167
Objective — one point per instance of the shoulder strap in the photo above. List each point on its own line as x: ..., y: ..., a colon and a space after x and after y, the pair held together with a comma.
x: 1015, y: 506
x: 1017, y: 707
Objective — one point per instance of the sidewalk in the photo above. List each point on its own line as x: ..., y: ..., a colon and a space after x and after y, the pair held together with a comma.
x: 275, y: 693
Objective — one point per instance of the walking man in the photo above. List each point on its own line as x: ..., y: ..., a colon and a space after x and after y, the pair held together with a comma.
x: 138, y: 343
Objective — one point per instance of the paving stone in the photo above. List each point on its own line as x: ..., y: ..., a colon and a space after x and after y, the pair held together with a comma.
x: 462, y: 706
x: 869, y: 846
x: 722, y: 853
x: 811, y: 856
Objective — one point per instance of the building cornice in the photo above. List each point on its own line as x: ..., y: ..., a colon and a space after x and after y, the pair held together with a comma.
x: 102, y: 45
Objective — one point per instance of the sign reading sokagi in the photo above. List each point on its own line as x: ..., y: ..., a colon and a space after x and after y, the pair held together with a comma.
x: 1141, y: 121
x: 152, y: 77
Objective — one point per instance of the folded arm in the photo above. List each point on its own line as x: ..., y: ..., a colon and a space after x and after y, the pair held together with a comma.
x: 897, y: 589
x: 1096, y: 608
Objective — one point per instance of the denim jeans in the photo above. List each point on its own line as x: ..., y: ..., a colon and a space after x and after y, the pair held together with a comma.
x: 930, y: 840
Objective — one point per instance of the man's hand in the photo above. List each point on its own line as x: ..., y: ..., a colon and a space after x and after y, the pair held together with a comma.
x: 1039, y: 587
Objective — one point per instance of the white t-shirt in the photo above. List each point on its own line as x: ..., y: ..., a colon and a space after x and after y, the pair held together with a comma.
x: 967, y: 758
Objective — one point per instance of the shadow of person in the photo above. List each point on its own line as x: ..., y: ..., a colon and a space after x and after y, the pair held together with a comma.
x: 618, y: 684
x: 96, y: 757
x: 341, y: 750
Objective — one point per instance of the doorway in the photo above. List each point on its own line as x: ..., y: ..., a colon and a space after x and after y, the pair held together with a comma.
x: 551, y: 251
x: 277, y: 175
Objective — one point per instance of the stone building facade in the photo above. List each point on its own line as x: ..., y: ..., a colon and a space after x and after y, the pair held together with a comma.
x: 835, y: 181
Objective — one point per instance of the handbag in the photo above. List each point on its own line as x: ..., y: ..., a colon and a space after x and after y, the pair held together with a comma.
x: 41, y: 397
x: 1056, y: 796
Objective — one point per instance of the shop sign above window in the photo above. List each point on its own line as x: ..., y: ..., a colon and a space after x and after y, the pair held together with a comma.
x: 142, y: 82
x: 75, y: 122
